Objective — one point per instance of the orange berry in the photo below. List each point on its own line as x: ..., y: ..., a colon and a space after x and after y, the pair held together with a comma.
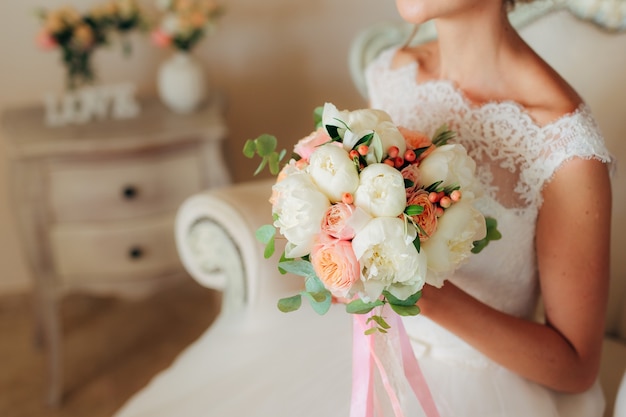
x: 353, y: 154
x: 347, y: 198
x: 363, y: 149
x: 398, y: 162
x: 433, y: 197
x: 409, y: 155
x: 438, y: 211
x: 455, y: 195
x: 389, y: 162
x: 393, y: 151
x: 445, y: 202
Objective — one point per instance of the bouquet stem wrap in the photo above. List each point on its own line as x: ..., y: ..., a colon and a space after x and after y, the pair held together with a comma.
x: 367, y: 359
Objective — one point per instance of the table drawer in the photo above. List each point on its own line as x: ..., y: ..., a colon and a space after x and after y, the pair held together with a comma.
x: 122, y: 188
x: 122, y: 249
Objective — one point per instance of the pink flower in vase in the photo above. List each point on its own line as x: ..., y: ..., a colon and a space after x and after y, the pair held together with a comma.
x: 161, y: 39
x: 45, y: 41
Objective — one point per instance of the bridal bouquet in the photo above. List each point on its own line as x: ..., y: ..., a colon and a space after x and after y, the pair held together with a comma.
x: 371, y: 212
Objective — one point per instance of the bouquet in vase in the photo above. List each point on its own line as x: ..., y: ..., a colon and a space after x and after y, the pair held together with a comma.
x: 371, y: 212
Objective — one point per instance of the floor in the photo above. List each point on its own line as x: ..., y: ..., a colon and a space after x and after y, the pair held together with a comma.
x: 112, y: 348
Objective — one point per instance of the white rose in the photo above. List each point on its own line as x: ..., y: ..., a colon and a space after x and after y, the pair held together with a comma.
x: 452, y: 242
x: 353, y: 125
x: 381, y: 191
x: 451, y: 164
x: 388, y: 259
x: 333, y: 171
x: 300, y: 208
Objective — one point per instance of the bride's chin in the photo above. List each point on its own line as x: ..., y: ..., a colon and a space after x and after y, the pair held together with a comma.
x: 413, y: 11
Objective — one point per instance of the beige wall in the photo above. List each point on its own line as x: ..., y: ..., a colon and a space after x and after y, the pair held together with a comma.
x: 275, y: 60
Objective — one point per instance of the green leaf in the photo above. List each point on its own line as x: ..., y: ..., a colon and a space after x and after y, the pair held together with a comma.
x: 442, y: 135
x: 265, y: 233
x: 365, y: 140
x: 298, y: 267
x: 320, y: 301
x: 317, y: 116
x: 414, y: 210
x: 409, y: 301
x: 312, y: 283
x: 270, y: 248
x: 377, y: 144
x: 333, y: 132
x: 290, y: 304
x: 274, y: 160
x: 434, y: 187
x: 371, y: 330
x: 405, y: 310
x: 249, y: 148
x: 492, y: 234
x: 266, y: 144
x: 380, y: 321
x: 359, y: 306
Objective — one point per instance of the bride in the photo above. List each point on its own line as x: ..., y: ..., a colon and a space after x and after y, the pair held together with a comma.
x: 544, y: 166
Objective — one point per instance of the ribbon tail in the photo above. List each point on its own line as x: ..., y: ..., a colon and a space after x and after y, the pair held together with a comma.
x: 414, y: 374
x: 362, y: 371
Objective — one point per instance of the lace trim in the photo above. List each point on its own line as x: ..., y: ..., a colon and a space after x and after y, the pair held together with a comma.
x: 515, y: 155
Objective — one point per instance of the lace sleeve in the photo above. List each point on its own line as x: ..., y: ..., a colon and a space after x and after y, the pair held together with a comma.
x: 577, y: 136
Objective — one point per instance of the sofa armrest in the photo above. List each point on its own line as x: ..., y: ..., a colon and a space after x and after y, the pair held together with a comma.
x: 215, y: 237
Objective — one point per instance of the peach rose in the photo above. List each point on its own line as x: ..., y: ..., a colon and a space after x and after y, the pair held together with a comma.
x: 415, y: 140
x: 335, y: 222
x: 428, y: 219
x: 412, y: 173
x: 336, y: 265
x: 306, y: 146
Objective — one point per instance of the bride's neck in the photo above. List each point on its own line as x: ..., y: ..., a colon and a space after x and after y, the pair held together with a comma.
x: 474, y: 51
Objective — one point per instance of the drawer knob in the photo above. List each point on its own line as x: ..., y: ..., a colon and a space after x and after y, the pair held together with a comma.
x: 135, y: 252
x: 130, y: 192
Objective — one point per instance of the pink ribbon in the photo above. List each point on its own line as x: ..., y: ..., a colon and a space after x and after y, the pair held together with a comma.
x: 363, y: 359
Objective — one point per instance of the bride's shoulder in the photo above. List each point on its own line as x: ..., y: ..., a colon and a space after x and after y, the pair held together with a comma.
x: 545, y: 94
x: 425, y: 56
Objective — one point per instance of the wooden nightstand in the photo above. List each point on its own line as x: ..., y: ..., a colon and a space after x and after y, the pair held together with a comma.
x: 95, y: 203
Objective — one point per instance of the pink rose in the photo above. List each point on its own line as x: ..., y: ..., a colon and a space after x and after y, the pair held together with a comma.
x: 306, y: 146
x: 412, y: 173
x: 335, y: 222
x: 160, y: 38
x: 46, y: 41
x: 416, y: 140
x: 427, y: 221
x: 335, y: 264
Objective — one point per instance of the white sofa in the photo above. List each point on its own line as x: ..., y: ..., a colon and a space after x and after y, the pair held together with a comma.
x: 227, y: 370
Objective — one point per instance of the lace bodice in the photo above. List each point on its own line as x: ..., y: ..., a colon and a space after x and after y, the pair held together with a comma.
x: 515, y: 158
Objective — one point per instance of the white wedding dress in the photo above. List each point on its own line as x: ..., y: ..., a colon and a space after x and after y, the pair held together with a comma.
x: 515, y: 158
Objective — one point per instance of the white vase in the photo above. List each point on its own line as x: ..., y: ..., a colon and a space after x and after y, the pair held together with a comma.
x: 181, y: 83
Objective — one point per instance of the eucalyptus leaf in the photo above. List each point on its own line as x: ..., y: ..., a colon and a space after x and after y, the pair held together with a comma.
x: 249, y: 148
x: 289, y: 304
x: 270, y: 248
x: 265, y: 233
x: 359, y: 306
x: 320, y: 301
x: 317, y: 116
x: 405, y: 310
x: 266, y: 144
x: 298, y: 267
x: 380, y: 321
x: 409, y: 301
